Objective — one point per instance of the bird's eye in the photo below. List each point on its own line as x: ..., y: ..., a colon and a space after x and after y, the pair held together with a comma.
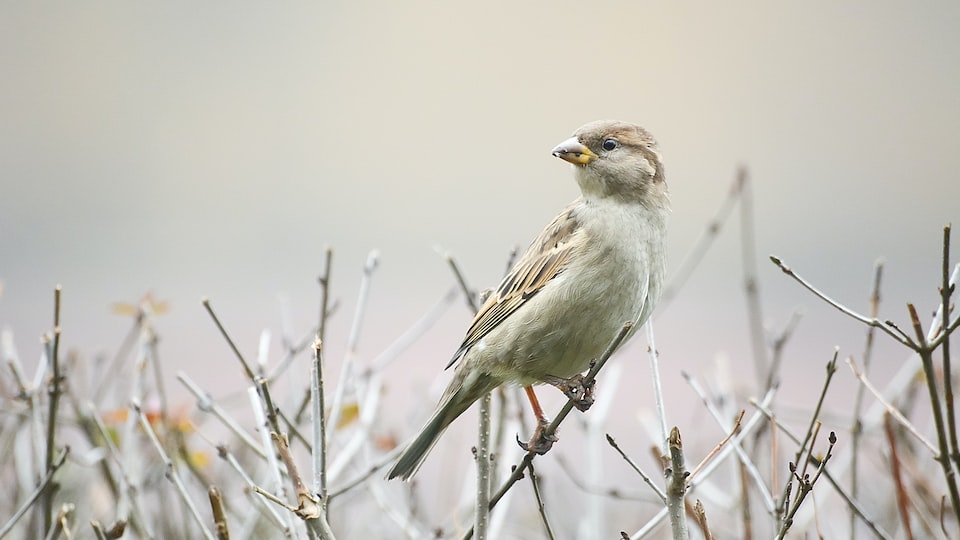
x: 610, y: 144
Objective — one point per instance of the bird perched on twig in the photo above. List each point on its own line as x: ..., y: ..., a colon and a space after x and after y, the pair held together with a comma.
x: 597, y: 265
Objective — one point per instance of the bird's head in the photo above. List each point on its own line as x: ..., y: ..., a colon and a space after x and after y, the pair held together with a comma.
x: 616, y: 160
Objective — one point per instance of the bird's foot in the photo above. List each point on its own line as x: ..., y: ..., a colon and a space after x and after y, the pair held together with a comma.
x: 541, y: 443
x: 574, y: 388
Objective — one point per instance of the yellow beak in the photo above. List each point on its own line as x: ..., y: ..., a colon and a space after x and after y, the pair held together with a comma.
x: 574, y: 151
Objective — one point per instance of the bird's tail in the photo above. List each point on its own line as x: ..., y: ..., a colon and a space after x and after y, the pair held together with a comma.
x: 452, y: 407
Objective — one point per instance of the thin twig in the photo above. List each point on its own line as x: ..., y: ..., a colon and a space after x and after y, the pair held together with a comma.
x: 745, y: 460
x: 263, y: 390
x: 224, y: 453
x: 745, y: 514
x: 372, y: 469
x: 890, y: 409
x: 716, y: 449
x: 860, y: 512
x: 900, y: 337
x: 469, y: 295
x: 324, y: 281
x: 857, y: 429
x: 206, y: 404
x: 41, y: 488
x: 926, y: 360
x: 353, y: 342
x: 946, y: 290
x: 751, y: 287
x: 535, y: 481
x: 410, y: 336
x: 55, y: 393
x: 899, y: 490
x: 646, y: 478
x: 319, y: 450
x: 615, y: 493
x: 233, y: 346
x: 804, y: 487
x: 815, y: 417
x: 695, y: 256
x: 130, y: 495
x: 273, y: 465
x: 777, y: 345
x: 654, y: 355
x: 170, y: 471
x: 693, y: 482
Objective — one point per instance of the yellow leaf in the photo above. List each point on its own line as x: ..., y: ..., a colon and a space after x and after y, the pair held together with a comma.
x: 348, y: 415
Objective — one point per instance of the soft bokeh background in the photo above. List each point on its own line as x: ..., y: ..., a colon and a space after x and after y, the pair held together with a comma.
x: 214, y: 150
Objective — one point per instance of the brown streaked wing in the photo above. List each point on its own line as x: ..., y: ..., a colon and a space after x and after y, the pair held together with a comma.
x: 546, y: 257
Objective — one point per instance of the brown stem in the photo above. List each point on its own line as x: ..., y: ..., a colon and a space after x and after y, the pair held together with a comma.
x: 926, y: 360
x: 901, y: 493
x: 945, y: 292
x: 55, y: 392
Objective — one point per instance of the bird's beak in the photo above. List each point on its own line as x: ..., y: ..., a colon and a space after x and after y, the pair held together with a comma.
x: 574, y: 151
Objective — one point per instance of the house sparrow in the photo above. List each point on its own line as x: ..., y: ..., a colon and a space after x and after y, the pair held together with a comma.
x: 597, y: 265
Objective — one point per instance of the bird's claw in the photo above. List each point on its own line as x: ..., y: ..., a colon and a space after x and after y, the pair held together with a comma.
x: 574, y: 388
x: 540, y: 443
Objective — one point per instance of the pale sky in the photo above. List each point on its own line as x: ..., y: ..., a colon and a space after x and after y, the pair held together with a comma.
x: 214, y: 149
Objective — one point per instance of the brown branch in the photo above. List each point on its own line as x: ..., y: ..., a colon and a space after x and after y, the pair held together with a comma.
x: 900, y: 491
x: 926, y: 360
x: 468, y: 294
x: 856, y: 429
x: 55, y: 392
x: 888, y: 328
x: 233, y: 346
x: 701, y: 517
x: 219, y: 514
x: 535, y: 481
x: 946, y: 290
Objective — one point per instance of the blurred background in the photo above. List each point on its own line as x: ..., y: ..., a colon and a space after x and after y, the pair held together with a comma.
x: 191, y: 150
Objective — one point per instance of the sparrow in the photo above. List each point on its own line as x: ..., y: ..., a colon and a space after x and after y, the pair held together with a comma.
x: 596, y: 266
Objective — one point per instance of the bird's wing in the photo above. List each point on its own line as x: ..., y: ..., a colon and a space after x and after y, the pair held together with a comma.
x: 544, y: 260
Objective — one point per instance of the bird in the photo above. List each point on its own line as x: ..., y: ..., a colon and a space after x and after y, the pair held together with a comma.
x: 598, y: 264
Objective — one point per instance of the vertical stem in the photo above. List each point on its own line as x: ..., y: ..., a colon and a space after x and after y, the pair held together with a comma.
x: 325, y: 293
x: 319, y: 426
x: 748, y: 246
x: 346, y: 368
x: 857, y: 428
x: 657, y: 387
x: 945, y: 292
x: 747, y: 531
x: 677, y: 487
x: 902, y: 501
x: 482, y: 456
x: 926, y: 359
x: 54, y: 405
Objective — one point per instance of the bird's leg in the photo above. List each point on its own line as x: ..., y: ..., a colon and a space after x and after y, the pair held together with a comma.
x: 581, y: 394
x: 539, y: 443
